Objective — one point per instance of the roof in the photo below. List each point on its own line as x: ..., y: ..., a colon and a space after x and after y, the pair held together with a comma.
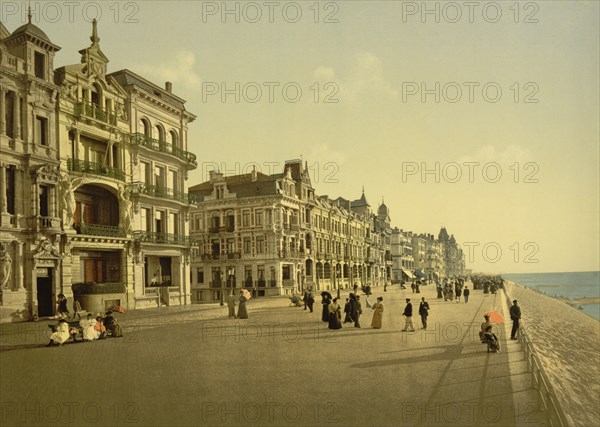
x: 31, y: 29
x: 3, y: 31
x: 361, y: 202
x: 129, y: 78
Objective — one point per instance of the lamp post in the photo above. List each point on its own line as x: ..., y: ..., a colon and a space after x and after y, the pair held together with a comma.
x: 222, y: 289
x: 337, y: 273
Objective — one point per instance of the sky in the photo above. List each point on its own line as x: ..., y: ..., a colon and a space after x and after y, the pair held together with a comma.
x: 482, y: 118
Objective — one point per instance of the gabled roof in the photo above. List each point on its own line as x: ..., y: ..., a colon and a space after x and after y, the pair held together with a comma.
x: 3, y: 31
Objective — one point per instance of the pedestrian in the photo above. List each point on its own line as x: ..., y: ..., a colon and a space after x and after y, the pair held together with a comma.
x: 439, y: 291
x: 417, y: 287
x: 76, y: 309
x: 515, y: 315
x: 377, y: 320
x: 355, y: 288
x: 305, y: 299
x: 466, y: 294
x: 254, y: 292
x: 63, y: 311
x: 424, y: 312
x: 408, y: 323
x: 335, y: 315
x: 242, y: 311
x: 347, y: 317
x: 413, y: 286
x: 355, y: 309
x: 325, y: 301
x: 231, y: 305
x: 60, y: 334
x: 484, y: 326
x: 490, y: 338
x: 458, y: 293
x: 451, y: 293
x: 310, y: 301
x: 111, y: 324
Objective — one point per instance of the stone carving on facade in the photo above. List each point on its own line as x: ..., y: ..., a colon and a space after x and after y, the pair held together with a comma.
x: 125, y: 210
x: 45, y: 249
x: 69, y: 91
x: 67, y: 198
x: 5, y: 267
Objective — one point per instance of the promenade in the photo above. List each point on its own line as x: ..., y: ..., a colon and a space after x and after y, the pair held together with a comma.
x: 282, y: 366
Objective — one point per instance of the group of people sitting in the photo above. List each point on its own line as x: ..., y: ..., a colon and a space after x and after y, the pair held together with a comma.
x: 488, y: 337
x: 91, y: 328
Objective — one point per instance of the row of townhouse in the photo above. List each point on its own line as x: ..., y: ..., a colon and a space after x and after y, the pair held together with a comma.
x: 273, y: 234
x: 93, y: 181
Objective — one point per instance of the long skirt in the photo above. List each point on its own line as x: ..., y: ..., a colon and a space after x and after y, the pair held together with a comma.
x: 325, y: 315
x: 377, y: 320
x: 242, y: 312
x: 334, y: 321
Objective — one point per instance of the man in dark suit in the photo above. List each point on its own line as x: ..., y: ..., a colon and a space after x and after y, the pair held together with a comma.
x: 424, y: 312
x: 408, y: 323
x: 515, y: 315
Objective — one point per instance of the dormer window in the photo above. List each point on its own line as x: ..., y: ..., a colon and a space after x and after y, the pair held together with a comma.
x: 40, y: 65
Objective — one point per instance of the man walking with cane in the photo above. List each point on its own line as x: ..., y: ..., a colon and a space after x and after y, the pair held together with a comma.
x: 515, y: 315
x: 408, y: 317
x: 424, y: 312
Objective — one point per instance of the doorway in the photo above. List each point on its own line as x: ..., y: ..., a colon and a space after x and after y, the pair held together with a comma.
x: 44, y: 295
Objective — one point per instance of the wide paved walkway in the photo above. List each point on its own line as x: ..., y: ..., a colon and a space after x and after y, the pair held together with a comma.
x: 280, y: 367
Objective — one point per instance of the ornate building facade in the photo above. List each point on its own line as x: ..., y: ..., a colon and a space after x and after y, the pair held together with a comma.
x: 93, y: 200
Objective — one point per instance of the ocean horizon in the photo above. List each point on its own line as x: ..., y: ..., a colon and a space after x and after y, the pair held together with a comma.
x: 572, y: 285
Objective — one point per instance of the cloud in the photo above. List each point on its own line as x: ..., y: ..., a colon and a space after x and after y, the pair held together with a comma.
x: 178, y: 70
x: 365, y: 79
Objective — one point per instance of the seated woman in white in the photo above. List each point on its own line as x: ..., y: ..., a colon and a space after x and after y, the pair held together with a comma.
x: 61, y: 334
x: 89, y: 328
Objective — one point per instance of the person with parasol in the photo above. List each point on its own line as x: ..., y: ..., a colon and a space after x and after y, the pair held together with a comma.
x: 487, y: 334
x: 325, y: 301
x: 377, y: 314
x: 335, y: 314
x: 243, y: 299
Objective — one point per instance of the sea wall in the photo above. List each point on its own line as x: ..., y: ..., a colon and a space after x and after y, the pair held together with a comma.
x: 567, y: 342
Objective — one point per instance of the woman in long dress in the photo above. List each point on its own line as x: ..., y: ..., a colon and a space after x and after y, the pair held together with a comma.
x: 61, y: 334
x: 377, y: 314
x: 335, y: 315
x: 325, y: 301
x: 89, y: 328
x: 242, y: 312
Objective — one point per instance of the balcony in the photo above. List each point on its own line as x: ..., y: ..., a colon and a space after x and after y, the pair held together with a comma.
x: 162, y: 192
x: 94, y: 112
x: 45, y: 223
x: 164, y: 238
x: 164, y: 147
x: 287, y: 253
x: 221, y: 229
x: 101, y: 230
x: 91, y: 168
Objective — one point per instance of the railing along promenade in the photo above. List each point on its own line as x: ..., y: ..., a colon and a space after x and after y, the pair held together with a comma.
x: 548, y: 400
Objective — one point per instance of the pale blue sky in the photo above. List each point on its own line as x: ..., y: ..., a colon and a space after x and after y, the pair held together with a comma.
x: 373, y: 57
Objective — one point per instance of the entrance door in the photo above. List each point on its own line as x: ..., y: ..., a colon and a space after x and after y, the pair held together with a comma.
x: 44, y: 296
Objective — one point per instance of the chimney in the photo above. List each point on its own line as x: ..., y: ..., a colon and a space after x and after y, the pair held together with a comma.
x: 169, y: 87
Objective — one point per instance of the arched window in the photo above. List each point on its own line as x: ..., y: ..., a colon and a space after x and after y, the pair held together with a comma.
x: 144, y: 128
x: 96, y: 95
x: 160, y: 133
x: 173, y: 139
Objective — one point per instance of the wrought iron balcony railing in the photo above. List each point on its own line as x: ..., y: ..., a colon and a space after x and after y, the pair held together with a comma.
x: 164, y: 238
x: 164, y: 147
x: 93, y: 111
x: 101, y: 230
x: 91, y: 168
x: 162, y: 192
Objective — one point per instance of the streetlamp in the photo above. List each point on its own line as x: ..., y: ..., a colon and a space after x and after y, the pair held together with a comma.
x: 338, y: 274
x: 222, y: 289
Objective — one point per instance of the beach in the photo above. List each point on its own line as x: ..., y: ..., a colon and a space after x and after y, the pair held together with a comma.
x: 567, y: 342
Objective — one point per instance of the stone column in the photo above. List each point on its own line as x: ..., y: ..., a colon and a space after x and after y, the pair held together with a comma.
x: 19, y: 261
x: 18, y: 191
x: 17, y: 116
x: 2, y: 110
x: 4, y: 215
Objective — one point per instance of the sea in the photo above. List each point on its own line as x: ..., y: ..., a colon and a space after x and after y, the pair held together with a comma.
x: 573, y: 285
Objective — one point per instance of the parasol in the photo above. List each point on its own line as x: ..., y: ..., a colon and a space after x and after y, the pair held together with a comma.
x: 118, y: 309
x: 246, y: 293
x: 495, y: 317
x: 326, y: 294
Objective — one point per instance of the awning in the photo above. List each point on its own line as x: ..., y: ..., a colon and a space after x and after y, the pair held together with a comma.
x: 420, y: 274
x: 408, y: 274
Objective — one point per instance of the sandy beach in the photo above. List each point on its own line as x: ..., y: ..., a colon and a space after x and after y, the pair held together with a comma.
x: 567, y: 342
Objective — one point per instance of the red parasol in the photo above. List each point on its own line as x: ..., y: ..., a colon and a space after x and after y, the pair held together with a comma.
x: 246, y: 293
x: 495, y: 317
x: 119, y: 309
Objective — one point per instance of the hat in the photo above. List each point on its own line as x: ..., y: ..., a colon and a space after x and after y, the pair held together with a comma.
x: 514, y: 301
x: 379, y: 298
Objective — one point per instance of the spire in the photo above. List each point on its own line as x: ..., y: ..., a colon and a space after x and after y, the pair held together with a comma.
x: 363, y: 191
x: 94, y: 38
x: 29, y: 13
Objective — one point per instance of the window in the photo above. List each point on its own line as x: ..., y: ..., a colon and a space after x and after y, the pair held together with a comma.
x: 260, y: 245
x: 200, y: 295
x: 173, y: 138
x: 173, y: 180
x: 230, y: 246
x: 40, y: 65
x: 269, y: 216
x: 159, y: 174
x: 199, y: 275
x: 160, y: 133
x: 145, y: 214
x: 159, y: 221
x: 247, y: 245
x: 41, y: 130
x: 44, y: 199
x: 174, y: 223
x: 286, y: 272
x: 197, y: 224
x: 258, y: 217
x: 246, y: 218
x: 10, y: 190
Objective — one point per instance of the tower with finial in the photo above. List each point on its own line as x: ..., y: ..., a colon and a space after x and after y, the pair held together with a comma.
x: 94, y: 59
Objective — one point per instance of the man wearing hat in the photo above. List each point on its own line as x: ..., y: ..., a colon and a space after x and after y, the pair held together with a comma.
x: 408, y: 317
x: 515, y: 315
